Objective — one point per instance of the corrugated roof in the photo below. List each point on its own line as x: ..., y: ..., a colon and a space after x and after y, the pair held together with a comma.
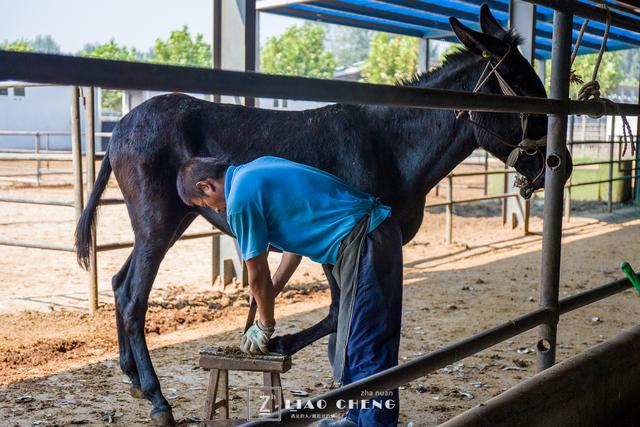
x: 429, y: 18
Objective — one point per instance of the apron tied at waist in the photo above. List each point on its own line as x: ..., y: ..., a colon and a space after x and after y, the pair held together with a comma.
x: 345, y: 272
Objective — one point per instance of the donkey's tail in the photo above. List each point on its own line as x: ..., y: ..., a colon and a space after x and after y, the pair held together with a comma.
x: 84, y: 236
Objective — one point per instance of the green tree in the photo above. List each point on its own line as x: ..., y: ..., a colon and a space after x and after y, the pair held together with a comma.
x: 111, y: 50
x: 610, y: 74
x: 298, y: 52
x: 349, y: 45
x: 45, y: 44
x: 631, y: 66
x: 182, y: 49
x: 111, y: 99
x: 42, y: 43
x: 391, y: 59
x: 20, y: 45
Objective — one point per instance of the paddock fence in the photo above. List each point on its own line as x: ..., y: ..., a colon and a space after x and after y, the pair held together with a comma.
x: 123, y: 75
x: 43, y: 155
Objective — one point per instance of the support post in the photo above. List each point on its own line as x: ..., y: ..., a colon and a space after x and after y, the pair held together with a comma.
x: 235, y: 34
x: 46, y: 147
x: 91, y: 178
x: 423, y: 55
x: 567, y: 202
x: 636, y: 193
x: 76, y: 151
x: 36, y: 149
x: 216, y: 50
x: 486, y: 168
x: 610, y: 183
x: 215, y: 259
x: 448, y: 225
x: 553, y: 194
x: 250, y: 45
x: 522, y: 17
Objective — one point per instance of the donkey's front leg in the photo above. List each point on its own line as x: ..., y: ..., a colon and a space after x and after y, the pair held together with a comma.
x: 292, y: 343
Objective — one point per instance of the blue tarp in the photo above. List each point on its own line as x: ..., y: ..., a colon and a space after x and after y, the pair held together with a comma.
x: 430, y: 18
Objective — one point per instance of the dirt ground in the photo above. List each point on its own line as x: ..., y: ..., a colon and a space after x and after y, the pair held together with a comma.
x: 58, y: 364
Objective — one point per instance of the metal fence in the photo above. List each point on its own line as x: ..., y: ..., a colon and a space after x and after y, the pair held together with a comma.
x: 117, y: 74
x: 42, y: 154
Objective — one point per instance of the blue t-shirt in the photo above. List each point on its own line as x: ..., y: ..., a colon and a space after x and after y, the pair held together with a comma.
x: 295, y: 208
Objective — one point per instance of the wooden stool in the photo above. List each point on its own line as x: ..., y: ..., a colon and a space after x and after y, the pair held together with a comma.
x: 220, y: 361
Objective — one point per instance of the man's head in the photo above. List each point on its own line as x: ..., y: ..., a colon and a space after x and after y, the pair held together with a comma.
x: 201, y: 182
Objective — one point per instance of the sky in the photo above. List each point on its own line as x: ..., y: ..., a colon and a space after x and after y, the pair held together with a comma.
x: 137, y: 23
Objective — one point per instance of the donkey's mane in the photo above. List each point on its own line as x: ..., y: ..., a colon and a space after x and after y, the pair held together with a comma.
x: 452, y: 60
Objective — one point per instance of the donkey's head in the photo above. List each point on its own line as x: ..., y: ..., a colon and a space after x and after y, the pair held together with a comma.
x: 498, y: 133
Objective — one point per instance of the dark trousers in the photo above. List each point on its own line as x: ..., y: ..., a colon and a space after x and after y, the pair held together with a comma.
x: 374, y: 335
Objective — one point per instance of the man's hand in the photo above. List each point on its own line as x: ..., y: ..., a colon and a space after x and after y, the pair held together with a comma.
x: 255, y: 340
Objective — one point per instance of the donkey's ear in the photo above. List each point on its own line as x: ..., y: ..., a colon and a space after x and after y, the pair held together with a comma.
x: 490, y: 24
x: 479, y: 43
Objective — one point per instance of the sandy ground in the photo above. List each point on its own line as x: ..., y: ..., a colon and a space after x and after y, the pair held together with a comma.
x: 58, y: 365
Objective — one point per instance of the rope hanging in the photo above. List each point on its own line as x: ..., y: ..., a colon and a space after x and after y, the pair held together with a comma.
x: 590, y: 91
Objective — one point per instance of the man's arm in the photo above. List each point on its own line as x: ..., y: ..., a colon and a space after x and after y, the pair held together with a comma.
x: 288, y: 265
x: 262, y: 288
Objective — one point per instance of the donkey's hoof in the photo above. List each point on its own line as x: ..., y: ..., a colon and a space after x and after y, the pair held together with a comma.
x: 136, y: 392
x: 163, y: 419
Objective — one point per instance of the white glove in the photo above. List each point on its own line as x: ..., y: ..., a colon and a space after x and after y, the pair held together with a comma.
x: 255, y: 340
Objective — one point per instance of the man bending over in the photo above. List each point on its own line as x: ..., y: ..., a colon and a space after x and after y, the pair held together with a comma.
x: 305, y: 211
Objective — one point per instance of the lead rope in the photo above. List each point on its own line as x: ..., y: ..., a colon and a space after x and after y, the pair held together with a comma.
x: 590, y: 91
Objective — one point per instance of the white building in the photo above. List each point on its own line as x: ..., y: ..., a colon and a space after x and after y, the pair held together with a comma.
x: 26, y: 107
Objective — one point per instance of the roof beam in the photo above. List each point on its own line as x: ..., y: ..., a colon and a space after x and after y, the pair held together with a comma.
x: 592, y: 12
x: 341, y: 20
x: 384, y: 14
x: 274, y: 4
x: 432, y: 8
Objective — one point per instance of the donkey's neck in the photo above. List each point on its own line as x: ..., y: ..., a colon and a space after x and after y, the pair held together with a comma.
x: 428, y: 144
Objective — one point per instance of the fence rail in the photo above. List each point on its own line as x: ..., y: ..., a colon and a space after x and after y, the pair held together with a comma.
x: 447, y: 355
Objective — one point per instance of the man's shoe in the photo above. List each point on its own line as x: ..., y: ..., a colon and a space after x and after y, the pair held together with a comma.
x: 342, y: 422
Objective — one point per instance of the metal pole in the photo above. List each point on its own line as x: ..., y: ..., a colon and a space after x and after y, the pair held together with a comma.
x: 423, y: 56
x: 448, y: 223
x: 505, y: 186
x: 37, y: 151
x: 217, y: 39
x: 250, y: 31
x: 76, y: 152
x: 215, y: 259
x: 567, y: 202
x: 46, y: 146
x: 553, y: 189
x: 636, y: 195
x: 91, y: 178
x: 610, y: 184
x: 486, y: 168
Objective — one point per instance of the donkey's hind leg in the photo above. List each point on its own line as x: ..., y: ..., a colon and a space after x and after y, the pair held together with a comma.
x: 127, y: 363
x: 152, y: 240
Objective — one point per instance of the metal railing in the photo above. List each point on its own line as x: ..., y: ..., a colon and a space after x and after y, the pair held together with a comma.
x: 76, y: 157
x: 124, y: 75
x: 450, y: 201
